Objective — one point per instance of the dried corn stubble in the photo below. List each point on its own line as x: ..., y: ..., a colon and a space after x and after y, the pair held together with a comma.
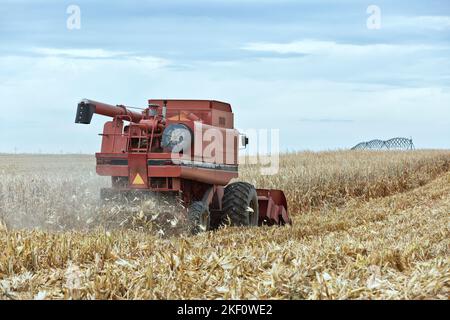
x: 368, y: 247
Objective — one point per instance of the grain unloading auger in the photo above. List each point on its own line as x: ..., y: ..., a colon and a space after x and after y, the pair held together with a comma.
x: 186, y: 147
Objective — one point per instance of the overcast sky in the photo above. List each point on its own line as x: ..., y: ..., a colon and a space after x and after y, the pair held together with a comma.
x: 312, y: 69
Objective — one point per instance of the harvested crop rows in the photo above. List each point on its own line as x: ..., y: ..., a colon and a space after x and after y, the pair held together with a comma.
x: 365, y: 225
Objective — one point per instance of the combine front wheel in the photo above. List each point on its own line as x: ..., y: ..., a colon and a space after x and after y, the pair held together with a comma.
x: 240, y: 204
x: 199, y: 218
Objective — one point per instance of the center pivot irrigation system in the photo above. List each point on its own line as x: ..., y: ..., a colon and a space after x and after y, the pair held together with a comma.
x: 161, y: 150
x: 391, y: 144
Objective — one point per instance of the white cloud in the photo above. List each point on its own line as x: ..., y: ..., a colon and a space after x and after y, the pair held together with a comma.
x: 78, y: 60
x: 69, y: 57
x: 79, y: 53
x: 318, y: 47
x: 437, y: 23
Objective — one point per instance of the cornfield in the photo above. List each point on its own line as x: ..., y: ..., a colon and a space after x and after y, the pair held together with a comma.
x: 366, y: 225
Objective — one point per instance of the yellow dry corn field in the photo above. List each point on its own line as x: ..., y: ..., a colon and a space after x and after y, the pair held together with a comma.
x: 366, y: 225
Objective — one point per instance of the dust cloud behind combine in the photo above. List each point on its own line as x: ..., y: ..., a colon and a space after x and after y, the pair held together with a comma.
x: 61, y: 193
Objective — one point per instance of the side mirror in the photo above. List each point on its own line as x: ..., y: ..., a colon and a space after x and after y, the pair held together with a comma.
x: 244, y: 140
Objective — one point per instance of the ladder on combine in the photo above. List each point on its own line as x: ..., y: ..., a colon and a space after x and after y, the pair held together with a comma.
x: 137, y: 141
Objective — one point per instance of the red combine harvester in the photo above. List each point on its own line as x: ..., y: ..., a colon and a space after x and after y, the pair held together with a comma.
x: 186, y: 147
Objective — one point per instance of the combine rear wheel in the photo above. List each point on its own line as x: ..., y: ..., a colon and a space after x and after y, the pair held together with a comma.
x: 199, y: 218
x: 240, y: 204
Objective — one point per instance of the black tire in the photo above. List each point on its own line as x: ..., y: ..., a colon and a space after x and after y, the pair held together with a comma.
x: 240, y: 205
x: 199, y: 217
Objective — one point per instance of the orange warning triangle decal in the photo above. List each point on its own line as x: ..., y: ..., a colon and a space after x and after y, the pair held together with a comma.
x: 138, y: 179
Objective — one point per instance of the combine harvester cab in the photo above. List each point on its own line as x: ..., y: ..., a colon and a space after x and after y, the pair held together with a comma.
x: 184, y: 147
